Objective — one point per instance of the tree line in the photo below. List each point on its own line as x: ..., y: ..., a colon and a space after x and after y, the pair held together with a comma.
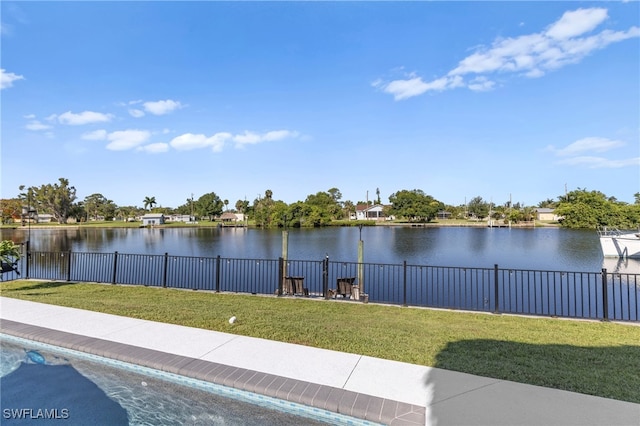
x: 577, y: 209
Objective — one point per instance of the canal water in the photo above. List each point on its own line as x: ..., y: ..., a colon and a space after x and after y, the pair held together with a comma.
x: 517, y: 248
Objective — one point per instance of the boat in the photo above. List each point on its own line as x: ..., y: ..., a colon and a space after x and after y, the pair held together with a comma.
x: 616, y: 243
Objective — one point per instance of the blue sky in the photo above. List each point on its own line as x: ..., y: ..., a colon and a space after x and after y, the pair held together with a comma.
x: 458, y: 99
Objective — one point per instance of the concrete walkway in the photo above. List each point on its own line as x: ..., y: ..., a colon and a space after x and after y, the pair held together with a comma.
x: 369, y: 388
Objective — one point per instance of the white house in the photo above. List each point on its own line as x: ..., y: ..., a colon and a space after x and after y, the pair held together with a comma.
x: 546, y: 214
x: 180, y: 218
x: 151, y: 219
x: 44, y: 218
x: 365, y: 212
x: 443, y: 214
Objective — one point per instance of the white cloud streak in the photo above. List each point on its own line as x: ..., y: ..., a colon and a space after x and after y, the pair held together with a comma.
x: 161, y: 107
x: 576, y: 22
x: 216, y: 142
x: 154, y: 148
x: 96, y: 135
x: 189, y: 141
x: 481, y: 84
x: 251, y: 138
x: 137, y: 139
x: 566, y: 41
x: 36, y: 125
x: 7, y: 79
x: 576, y: 154
x: 405, y: 89
x: 85, y: 117
x: 593, y: 144
x: 123, y: 140
x: 137, y: 113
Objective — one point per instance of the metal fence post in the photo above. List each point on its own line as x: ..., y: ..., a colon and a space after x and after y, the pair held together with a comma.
x: 496, y: 289
x: 115, y: 267
x: 325, y: 277
x: 164, y: 272
x: 605, y: 296
x: 69, y: 266
x: 28, y: 258
x: 404, y: 282
x: 218, y: 263
x: 280, y: 275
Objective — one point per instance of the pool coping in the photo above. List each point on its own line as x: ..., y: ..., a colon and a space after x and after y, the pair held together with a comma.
x: 342, y: 401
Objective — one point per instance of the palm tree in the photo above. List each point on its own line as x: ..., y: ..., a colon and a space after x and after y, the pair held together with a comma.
x: 149, y: 202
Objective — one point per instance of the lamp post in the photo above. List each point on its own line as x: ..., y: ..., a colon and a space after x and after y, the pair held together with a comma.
x: 27, y: 212
x: 360, y: 261
x: 285, y: 247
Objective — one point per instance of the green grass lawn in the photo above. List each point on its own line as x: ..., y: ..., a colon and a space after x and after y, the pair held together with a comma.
x: 597, y: 358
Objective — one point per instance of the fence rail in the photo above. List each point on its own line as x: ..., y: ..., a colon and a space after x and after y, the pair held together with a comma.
x: 592, y: 295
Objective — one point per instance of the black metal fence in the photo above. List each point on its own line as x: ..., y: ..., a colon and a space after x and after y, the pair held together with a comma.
x: 593, y: 295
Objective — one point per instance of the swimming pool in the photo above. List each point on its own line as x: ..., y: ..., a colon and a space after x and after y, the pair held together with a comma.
x: 149, y: 397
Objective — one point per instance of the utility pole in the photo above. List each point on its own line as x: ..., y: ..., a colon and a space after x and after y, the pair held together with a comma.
x: 466, y: 215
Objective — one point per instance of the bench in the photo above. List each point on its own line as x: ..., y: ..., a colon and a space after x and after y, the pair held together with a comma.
x: 294, y: 285
x: 344, y: 285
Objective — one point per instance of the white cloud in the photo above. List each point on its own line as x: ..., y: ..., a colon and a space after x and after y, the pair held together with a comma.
x: 414, y: 86
x: 600, y: 162
x: 7, y: 79
x: 36, y: 125
x: 564, y: 42
x: 137, y: 113
x: 277, y: 135
x: 86, y: 117
x: 96, y: 135
x: 534, y: 54
x: 481, y: 84
x: 574, y: 154
x: 251, y: 138
x: 590, y: 144
x: 162, y: 107
x: 126, y: 139
x: 190, y: 141
x: 577, y: 22
x: 247, y: 138
x: 154, y: 148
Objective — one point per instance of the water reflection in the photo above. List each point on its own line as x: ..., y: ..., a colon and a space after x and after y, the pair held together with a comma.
x: 478, y: 238
x: 44, y: 239
x: 407, y: 242
x: 620, y: 265
x: 540, y: 248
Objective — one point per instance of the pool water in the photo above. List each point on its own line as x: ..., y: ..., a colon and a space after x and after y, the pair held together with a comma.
x: 150, y: 397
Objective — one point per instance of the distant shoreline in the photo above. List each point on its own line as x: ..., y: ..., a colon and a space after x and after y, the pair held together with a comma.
x: 482, y: 224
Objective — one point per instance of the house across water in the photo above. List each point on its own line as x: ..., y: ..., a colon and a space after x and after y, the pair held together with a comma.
x: 153, y: 219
